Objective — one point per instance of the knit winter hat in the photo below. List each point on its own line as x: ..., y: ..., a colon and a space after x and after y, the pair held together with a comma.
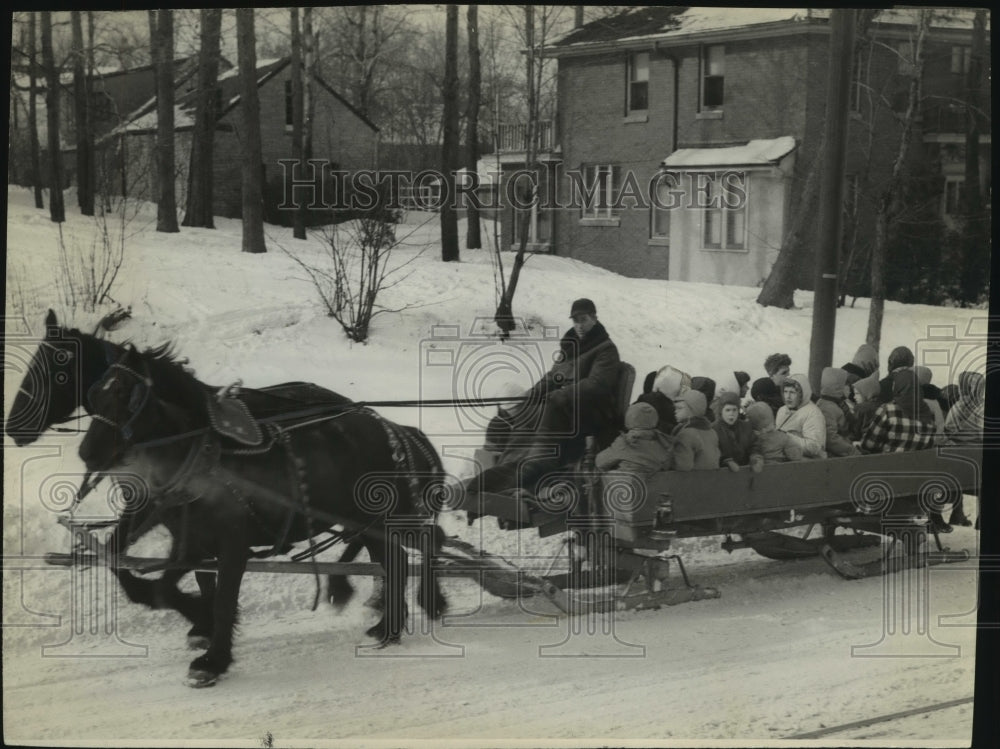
x: 704, y: 385
x: 671, y: 382
x: 760, y: 416
x: 641, y: 416
x: 832, y: 382
x: 728, y: 399
x: 696, y: 402
x: 727, y: 384
x: 775, y: 362
x: 742, y: 378
x: 924, y: 375
x: 901, y: 356
x: 868, y: 386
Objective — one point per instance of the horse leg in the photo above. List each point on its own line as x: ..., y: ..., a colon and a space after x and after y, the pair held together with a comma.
x: 339, y: 587
x: 429, y: 594
x: 163, y: 593
x: 389, y: 628
x: 199, y: 637
x: 205, y: 670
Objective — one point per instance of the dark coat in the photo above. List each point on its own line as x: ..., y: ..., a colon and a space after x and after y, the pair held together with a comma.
x: 735, y: 442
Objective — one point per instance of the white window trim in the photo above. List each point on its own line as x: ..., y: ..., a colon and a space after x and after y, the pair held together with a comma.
x: 725, y: 212
x: 631, y: 112
x: 706, y: 111
x: 606, y: 213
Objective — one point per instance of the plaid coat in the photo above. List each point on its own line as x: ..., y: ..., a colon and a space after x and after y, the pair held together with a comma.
x: 892, y: 431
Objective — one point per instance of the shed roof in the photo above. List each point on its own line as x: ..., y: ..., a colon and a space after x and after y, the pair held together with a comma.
x: 756, y: 153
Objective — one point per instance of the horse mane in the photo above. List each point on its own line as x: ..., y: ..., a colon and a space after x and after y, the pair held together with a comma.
x: 173, y: 382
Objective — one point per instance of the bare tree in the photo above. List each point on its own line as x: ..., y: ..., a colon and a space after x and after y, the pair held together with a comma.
x: 889, y: 201
x: 200, y: 172
x: 36, y: 168
x: 81, y: 112
x: 251, y: 159
x: 161, y: 24
x: 473, y: 239
x: 449, y: 148
x: 57, y: 208
x: 975, y: 239
x: 298, y: 219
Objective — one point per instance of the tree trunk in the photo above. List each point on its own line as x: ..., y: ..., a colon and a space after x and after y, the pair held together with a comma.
x: 449, y: 149
x: 975, y: 245
x: 201, y: 173
x: 81, y: 113
x: 888, y: 202
x: 504, y: 316
x: 36, y: 161
x: 298, y: 166
x: 250, y: 151
x: 57, y: 209
x: 166, y: 177
x: 473, y: 240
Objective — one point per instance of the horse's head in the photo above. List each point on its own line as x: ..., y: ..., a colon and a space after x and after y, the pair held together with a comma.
x: 50, y: 390
x: 119, y: 405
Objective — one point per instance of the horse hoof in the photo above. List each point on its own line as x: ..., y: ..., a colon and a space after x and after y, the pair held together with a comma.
x: 200, y: 679
x: 198, y: 642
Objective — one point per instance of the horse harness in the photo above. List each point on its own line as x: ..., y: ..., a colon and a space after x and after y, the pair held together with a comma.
x: 231, y: 420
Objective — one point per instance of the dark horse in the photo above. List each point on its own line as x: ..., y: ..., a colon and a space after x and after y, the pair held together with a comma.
x: 64, y: 367
x: 345, y: 466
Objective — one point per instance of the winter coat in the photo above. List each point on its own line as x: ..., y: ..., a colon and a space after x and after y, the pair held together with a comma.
x: 964, y: 423
x: 735, y: 442
x: 864, y: 363
x: 696, y: 445
x: 903, y: 424
x: 806, y: 423
x: 772, y: 445
x: 639, y: 451
x: 836, y: 412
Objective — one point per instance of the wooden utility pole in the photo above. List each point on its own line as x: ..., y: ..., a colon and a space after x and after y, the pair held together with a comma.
x: 831, y: 195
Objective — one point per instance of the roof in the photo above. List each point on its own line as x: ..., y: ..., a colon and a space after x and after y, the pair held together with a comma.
x: 143, y: 119
x: 653, y: 23
x: 756, y: 153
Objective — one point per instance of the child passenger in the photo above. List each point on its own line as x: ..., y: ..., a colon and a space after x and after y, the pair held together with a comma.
x: 801, y: 418
x: 837, y: 413
x: 696, y: 445
x: 643, y: 449
x: 770, y: 445
x: 735, y: 434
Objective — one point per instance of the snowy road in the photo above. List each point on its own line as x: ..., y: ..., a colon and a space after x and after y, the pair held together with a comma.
x: 770, y: 659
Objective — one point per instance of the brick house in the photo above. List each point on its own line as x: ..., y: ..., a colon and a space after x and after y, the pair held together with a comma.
x: 719, y: 112
x: 341, y: 135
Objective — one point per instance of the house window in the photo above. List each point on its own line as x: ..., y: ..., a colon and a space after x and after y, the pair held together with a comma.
x: 960, y: 59
x: 954, y: 195
x: 713, y: 69
x: 725, y: 217
x: 601, y: 183
x: 660, y: 209
x: 638, y: 82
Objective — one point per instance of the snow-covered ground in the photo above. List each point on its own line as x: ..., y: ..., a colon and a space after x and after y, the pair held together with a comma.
x: 788, y: 648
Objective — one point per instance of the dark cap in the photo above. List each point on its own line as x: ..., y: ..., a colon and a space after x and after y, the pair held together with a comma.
x: 582, y: 306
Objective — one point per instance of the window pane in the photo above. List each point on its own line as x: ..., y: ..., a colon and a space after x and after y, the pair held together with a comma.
x: 735, y: 229
x: 640, y: 67
x: 713, y: 91
x: 715, y: 58
x: 661, y: 222
x: 713, y: 228
x: 638, y: 96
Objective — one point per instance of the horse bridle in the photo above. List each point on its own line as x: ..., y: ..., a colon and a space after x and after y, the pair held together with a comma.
x: 138, y: 398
